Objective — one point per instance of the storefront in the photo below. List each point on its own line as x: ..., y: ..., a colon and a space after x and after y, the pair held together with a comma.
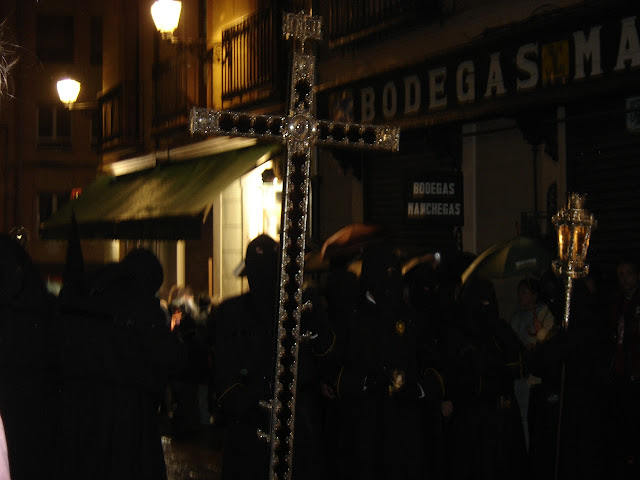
x: 196, y: 207
x: 514, y: 120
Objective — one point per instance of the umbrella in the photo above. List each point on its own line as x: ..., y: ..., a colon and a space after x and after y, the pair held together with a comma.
x: 415, y: 262
x: 343, y: 247
x: 350, y: 240
x: 516, y: 257
x: 315, y: 263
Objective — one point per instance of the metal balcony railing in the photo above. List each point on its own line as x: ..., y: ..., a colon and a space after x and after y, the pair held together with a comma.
x: 253, y: 54
x: 119, y: 109
x: 178, y: 85
x: 355, y: 20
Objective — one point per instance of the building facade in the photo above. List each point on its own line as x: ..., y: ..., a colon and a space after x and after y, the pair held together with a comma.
x: 48, y: 152
x: 504, y: 108
x: 526, y: 100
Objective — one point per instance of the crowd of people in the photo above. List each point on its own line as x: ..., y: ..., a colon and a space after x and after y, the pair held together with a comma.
x: 403, y: 376
x: 82, y: 373
x: 417, y: 376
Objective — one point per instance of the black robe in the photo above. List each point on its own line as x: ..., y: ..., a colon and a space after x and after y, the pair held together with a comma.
x: 381, y: 430
x: 485, y: 435
x: 243, y: 365
x: 27, y: 369
x: 115, y: 354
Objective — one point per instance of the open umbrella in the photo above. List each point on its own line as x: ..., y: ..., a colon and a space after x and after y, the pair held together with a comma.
x: 343, y: 247
x: 415, y: 262
x: 516, y: 257
x: 350, y: 240
x: 314, y: 264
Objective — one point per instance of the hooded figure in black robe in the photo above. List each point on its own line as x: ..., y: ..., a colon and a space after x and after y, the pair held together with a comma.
x: 27, y: 370
x: 115, y: 354
x: 486, y: 439
x: 244, y: 363
x: 378, y: 384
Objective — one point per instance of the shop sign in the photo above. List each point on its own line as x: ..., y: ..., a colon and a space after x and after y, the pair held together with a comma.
x: 571, y: 53
x: 434, y: 197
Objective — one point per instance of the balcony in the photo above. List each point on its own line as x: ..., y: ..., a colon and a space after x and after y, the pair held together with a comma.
x: 253, y: 60
x: 119, y: 107
x: 178, y: 85
x: 347, y: 23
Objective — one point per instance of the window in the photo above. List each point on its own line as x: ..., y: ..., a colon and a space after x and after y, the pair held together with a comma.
x: 50, y: 202
x: 54, y: 126
x: 55, y: 38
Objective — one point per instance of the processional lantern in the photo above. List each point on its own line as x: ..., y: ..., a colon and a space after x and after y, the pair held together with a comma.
x: 574, y: 225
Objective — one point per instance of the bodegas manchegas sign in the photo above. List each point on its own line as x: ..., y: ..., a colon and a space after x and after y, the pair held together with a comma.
x: 558, y: 55
x: 434, y: 196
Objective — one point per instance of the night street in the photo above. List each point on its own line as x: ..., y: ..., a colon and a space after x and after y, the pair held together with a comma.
x: 319, y: 240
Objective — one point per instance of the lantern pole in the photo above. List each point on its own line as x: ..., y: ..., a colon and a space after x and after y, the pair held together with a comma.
x: 573, y: 224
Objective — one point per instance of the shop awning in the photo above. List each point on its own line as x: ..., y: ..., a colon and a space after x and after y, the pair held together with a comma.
x: 165, y: 202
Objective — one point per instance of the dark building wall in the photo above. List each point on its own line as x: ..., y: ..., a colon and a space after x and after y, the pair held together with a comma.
x: 603, y: 147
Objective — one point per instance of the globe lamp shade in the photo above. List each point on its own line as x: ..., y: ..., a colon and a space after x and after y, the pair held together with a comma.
x: 68, y: 90
x: 166, y: 15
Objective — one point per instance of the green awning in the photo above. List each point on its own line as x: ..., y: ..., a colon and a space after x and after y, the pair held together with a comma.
x: 165, y: 202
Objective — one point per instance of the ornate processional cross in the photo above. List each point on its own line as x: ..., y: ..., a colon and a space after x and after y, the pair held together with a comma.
x: 300, y: 131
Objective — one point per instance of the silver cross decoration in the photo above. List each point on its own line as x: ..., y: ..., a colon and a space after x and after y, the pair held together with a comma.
x: 299, y: 131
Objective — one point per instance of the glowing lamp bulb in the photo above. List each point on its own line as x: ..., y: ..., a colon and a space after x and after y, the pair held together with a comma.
x: 68, y: 90
x: 166, y: 15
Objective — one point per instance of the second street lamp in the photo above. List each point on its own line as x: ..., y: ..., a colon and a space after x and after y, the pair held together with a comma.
x: 68, y: 91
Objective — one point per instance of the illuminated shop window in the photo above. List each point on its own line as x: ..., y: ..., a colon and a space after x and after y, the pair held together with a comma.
x: 262, y: 199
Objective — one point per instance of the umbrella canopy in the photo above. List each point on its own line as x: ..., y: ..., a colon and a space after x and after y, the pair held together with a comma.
x: 516, y: 257
x: 415, y: 262
x: 344, y: 247
x: 313, y: 263
x: 350, y: 240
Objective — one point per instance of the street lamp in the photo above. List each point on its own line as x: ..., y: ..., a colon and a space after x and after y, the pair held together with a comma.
x: 68, y: 90
x: 166, y: 16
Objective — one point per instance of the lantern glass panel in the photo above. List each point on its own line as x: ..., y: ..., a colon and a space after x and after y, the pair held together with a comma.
x: 564, y: 242
x: 580, y: 243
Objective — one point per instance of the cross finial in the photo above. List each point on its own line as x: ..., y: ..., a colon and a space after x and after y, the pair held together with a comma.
x: 301, y: 26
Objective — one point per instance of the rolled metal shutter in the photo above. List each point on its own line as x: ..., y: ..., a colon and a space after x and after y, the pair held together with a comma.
x: 384, y: 183
x: 603, y: 161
